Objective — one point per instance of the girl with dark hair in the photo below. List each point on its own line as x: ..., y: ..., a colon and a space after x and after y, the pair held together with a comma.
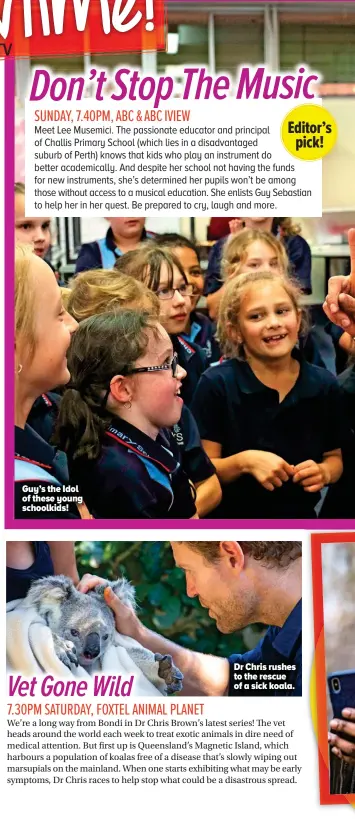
x: 161, y: 272
x: 199, y: 327
x: 124, y: 390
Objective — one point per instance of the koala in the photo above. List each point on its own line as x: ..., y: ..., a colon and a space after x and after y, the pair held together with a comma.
x: 83, y: 626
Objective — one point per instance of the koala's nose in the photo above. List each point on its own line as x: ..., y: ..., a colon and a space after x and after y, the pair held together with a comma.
x: 92, y: 645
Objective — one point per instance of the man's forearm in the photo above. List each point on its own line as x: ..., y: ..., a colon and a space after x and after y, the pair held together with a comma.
x: 63, y: 558
x: 204, y: 674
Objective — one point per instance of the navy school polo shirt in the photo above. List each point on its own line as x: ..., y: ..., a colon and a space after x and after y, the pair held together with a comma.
x: 192, y: 456
x: 44, y: 413
x: 193, y: 359
x: 134, y: 477
x: 102, y: 253
x: 18, y: 581
x: 39, y: 465
x: 202, y: 331
x: 347, y: 385
x: 278, y: 646
x: 233, y: 408
x: 339, y: 501
x: 214, y: 277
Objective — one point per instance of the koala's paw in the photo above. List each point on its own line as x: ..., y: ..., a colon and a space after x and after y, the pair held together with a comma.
x: 66, y: 651
x: 169, y: 673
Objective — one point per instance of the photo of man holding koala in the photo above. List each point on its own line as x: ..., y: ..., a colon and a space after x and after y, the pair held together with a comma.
x: 245, y: 586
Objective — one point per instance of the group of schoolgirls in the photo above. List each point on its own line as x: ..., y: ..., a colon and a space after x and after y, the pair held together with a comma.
x: 151, y: 416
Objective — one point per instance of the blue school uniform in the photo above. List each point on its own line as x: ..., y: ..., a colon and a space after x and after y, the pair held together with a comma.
x: 202, y: 332
x: 103, y: 253
x: 18, y: 581
x: 339, y: 500
x: 300, y: 258
x: 134, y: 476
x: 213, y: 278
x: 192, y: 456
x: 44, y: 413
x: 38, y: 465
x: 233, y: 408
x: 193, y: 359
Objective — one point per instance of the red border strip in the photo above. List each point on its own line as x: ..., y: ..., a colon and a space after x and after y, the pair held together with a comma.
x: 317, y: 541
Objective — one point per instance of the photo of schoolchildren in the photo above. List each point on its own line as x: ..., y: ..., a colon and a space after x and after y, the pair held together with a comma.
x: 124, y: 234
x: 95, y: 292
x: 43, y: 331
x: 266, y: 430
x: 276, y: 428
x: 294, y: 245
x: 199, y: 326
x: 271, y: 423
x: 162, y: 272
x: 115, y: 418
x: 227, y: 614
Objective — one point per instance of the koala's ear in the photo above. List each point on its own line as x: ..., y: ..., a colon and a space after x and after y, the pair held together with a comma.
x: 125, y: 591
x: 50, y: 591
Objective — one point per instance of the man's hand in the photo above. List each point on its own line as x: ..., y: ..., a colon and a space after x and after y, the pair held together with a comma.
x: 312, y: 476
x: 339, y: 304
x: 269, y: 469
x: 126, y: 620
x: 343, y: 748
x: 88, y: 582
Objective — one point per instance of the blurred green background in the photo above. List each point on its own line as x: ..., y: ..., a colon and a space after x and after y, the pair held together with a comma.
x: 161, y: 594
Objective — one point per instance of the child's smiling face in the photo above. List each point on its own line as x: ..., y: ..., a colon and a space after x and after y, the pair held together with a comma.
x: 156, y: 400
x: 31, y: 229
x: 260, y: 256
x: 268, y: 321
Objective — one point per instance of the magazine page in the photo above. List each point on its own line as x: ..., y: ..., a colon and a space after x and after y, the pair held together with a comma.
x: 182, y: 387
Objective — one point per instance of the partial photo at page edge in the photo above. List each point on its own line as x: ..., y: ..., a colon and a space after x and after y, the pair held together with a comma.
x: 184, y: 361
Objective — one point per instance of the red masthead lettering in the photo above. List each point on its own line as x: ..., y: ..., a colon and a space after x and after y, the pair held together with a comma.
x: 45, y: 27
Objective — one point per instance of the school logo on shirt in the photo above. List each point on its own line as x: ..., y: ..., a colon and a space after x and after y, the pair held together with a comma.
x: 187, y: 347
x: 177, y: 433
x: 127, y: 440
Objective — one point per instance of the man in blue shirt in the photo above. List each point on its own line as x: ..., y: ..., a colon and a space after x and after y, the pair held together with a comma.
x: 240, y: 584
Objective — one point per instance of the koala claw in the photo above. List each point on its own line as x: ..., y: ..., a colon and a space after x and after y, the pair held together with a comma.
x: 66, y: 651
x: 169, y: 673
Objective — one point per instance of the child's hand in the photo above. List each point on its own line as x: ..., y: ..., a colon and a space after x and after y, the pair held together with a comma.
x: 311, y: 476
x: 269, y: 469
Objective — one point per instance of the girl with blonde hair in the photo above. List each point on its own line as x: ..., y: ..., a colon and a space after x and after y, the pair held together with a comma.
x: 43, y: 331
x: 271, y: 423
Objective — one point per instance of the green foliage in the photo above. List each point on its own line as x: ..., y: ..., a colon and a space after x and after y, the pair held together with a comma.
x: 161, y: 594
